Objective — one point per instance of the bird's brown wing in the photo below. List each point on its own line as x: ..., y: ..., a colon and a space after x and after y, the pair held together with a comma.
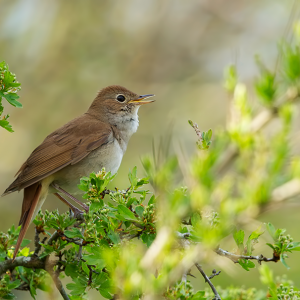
x: 67, y: 145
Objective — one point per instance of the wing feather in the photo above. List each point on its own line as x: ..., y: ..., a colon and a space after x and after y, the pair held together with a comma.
x: 65, y: 146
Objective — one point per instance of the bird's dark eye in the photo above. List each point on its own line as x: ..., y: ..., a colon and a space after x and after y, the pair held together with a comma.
x: 121, y: 98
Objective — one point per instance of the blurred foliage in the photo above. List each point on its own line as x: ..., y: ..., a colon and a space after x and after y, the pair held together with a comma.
x: 139, y: 245
x: 8, y: 90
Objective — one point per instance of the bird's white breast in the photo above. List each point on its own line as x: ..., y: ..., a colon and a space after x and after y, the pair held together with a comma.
x: 108, y: 156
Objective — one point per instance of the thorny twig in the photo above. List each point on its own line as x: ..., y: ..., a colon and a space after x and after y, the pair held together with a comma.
x: 53, y: 238
x: 214, y: 273
x: 207, y: 279
x: 37, y: 244
x: 235, y: 257
x: 80, y: 246
x: 57, y: 281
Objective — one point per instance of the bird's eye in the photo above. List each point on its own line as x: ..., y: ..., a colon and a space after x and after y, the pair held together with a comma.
x: 121, y: 98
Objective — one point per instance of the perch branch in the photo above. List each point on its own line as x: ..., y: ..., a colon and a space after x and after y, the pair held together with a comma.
x: 27, y: 262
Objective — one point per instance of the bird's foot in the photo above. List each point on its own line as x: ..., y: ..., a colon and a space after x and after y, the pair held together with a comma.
x: 77, y: 214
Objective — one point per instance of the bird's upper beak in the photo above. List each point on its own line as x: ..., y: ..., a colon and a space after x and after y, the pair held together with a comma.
x: 143, y: 99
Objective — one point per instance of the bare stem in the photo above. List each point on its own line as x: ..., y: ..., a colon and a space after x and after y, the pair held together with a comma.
x: 217, y: 296
x: 53, y: 238
x: 235, y: 257
x: 58, y: 283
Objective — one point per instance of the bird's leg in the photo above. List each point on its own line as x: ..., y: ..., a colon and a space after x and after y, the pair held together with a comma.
x: 75, y: 210
x: 84, y: 206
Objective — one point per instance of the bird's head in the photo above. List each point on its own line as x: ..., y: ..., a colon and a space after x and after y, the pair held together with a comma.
x: 116, y: 100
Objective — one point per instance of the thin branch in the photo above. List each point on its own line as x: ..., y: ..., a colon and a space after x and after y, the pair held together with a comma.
x: 37, y: 244
x: 235, y: 257
x: 57, y: 282
x: 184, y: 235
x: 53, y: 238
x: 217, y: 296
x: 79, y: 255
x: 196, y: 128
x: 214, y: 273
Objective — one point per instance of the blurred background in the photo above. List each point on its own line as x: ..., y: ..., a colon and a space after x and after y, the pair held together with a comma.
x: 63, y: 52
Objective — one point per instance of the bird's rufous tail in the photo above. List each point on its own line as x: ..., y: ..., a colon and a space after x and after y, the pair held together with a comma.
x: 30, y: 201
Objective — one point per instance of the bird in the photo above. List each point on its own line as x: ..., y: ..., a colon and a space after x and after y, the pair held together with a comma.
x: 96, y: 139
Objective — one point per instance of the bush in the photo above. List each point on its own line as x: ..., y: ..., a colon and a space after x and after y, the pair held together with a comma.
x: 139, y: 245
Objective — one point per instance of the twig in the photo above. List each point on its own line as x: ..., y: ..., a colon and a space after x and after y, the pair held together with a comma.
x: 183, y: 235
x: 184, y: 277
x: 235, y: 257
x: 196, y: 128
x: 37, y: 244
x: 79, y: 256
x: 214, y: 273
x: 57, y: 282
x: 53, y: 238
x: 217, y: 296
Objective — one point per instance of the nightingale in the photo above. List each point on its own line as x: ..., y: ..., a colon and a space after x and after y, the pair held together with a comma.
x: 94, y: 140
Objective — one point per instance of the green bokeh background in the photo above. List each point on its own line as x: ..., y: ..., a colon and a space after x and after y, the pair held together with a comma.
x: 63, y: 52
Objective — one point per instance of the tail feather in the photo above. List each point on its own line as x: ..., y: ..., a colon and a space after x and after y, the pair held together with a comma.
x: 30, y: 201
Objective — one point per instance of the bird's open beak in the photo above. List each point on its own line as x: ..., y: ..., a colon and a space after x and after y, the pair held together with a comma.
x: 143, y: 99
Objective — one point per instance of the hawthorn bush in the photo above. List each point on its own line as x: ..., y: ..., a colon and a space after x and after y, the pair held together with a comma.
x: 134, y: 244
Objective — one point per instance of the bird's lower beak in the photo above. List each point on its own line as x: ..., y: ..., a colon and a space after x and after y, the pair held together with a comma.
x: 143, y: 99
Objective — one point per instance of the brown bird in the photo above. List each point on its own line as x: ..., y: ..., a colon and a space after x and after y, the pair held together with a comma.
x: 94, y: 140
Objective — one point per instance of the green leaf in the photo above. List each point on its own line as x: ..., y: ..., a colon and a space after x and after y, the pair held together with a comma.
x: 5, y: 124
x: 95, y: 258
x: 14, y: 284
x: 208, y: 135
x: 246, y: 264
x: 231, y: 78
x: 151, y: 200
x: 200, y: 295
x: 295, y: 246
x: 25, y: 242
x: 271, y: 229
x: 85, y: 268
x: 73, y: 233
x: 32, y: 289
x: 252, y: 239
x: 114, y: 237
x: 282, y: 259
x: 126, y: 213
x: 76, y: 288
x: 132, y: 177
x: 195, y: 219
x: 11, y: 98
x: 103, y: 290
x: 139, y: 210
x: 270, y: 245
x: 239, y: 239
x: 96, y: 206
x: 71, y: 270
x: 148, y: 238
x: 256, y: 234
